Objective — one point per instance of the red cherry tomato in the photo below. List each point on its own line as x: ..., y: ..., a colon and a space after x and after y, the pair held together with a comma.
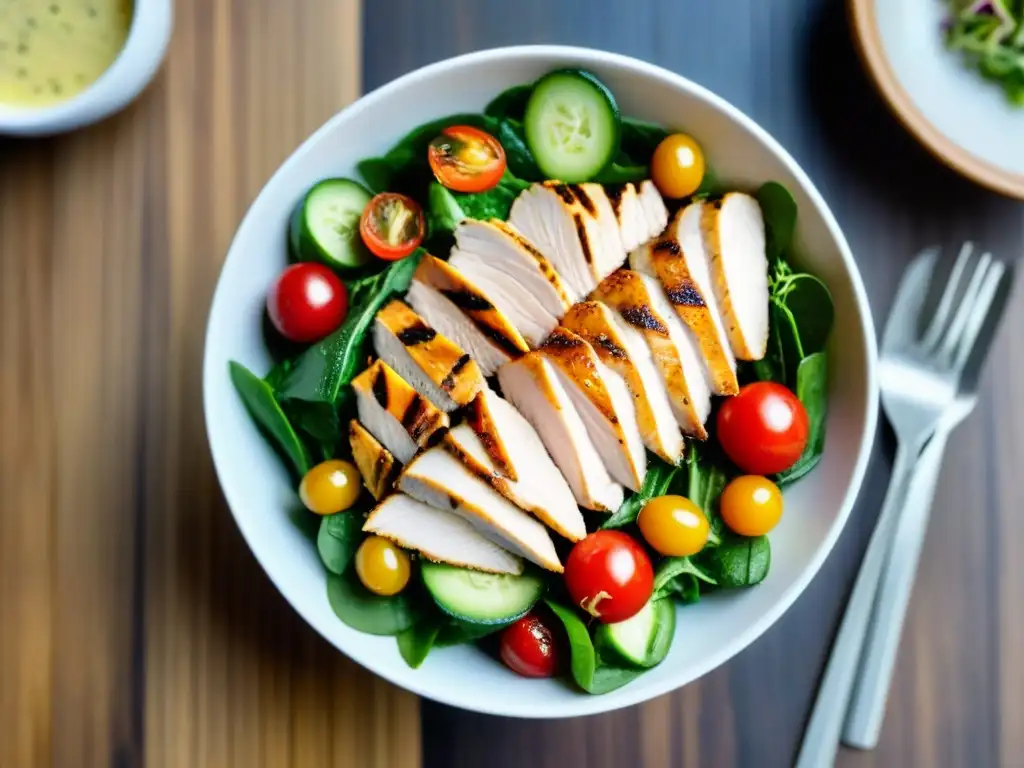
x: 609, y: 575
x: 307, y: 302
x: 392, y: 226
x: 528, y: 647
x: 466, y: 159
x: 763, y: 429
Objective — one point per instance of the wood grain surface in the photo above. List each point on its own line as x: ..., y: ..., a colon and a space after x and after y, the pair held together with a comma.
x: 135, y: 627
x: 959, y: 691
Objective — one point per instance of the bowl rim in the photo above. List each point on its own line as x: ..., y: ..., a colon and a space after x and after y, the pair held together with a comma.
x: 584, y: 704
x: 134, y: 67
x: 868, y: 41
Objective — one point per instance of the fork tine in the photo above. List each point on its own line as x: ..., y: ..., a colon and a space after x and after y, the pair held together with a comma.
x: 901, y: 327
x: 951, y: 339
x: 942, y: 311
x: 983, y: 306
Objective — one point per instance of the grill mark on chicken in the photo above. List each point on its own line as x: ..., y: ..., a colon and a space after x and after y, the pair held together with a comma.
x: 380, y: 388
x: 581, y: 235
x: 415, y: 419
x: 468, y: 300
x: 437, y: 436
x: 584, y: 199
x: 686, y: 294
x: 615, y: 198
x: 609, y: 346
x: 642, y: 317
x: 418, y: 333
x: 385, y: 472
x: 448, y: 382
x: 542, y: 261
x: 668, y: 245
x: 507, y: 345
x: 562, y: 341
x: 478, y: 419
x: 564, y: 192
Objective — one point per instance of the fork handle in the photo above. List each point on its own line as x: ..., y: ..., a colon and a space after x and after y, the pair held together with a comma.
x: 821, y: 739
x: 864, y: 718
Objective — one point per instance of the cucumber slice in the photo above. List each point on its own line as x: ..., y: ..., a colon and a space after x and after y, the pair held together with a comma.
x: 325, y: 225
x: 572, y: 125
x: 644, y: 639
x: 481, y: 598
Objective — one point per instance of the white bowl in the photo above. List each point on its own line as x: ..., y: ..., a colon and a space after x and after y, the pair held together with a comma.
x: 256, y: 484
x: 123, y: 80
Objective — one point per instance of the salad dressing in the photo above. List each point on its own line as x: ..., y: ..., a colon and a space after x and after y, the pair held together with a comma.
x: 51, y: 50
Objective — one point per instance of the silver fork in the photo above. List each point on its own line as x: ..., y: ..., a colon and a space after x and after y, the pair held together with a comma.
x: 919, y: 376
x: 990, y: 289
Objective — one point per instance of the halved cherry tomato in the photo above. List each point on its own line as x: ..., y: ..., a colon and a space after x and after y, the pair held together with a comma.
x: 677, y: 166
x: 307, y: 302
x: 674, y: 526
x: 392, y: 226
x: 528, y: 647
x: 466, y: 159
x: 751, y: 505
x: 609, y: 575
x: 763, y: 429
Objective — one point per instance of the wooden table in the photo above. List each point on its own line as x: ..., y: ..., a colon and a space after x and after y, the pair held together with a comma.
x: 136, y: 629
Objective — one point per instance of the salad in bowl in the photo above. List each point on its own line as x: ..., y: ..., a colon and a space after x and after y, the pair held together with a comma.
x: 541, y: 380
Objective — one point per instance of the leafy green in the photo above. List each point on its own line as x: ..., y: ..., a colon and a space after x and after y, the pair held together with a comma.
x: 322, y: 373
x: 739, y: 561
x: 415, y: 642
x: 591, y: 672
x: 510, y: 103
x: 779, y: 210
x: 656, y: 482
x: 639, y: 139
x: 707, y: 480
x: 617, y: 173
x: 259, y: 400
x: 811, y: 389
x: 667, y: 575
x: 517, y: 152
x: 496, y: 202
x: 338, y: 539
x: 373, y: 614
x: 685, y: 588
x: 989, y: 37
x: 456, y: 632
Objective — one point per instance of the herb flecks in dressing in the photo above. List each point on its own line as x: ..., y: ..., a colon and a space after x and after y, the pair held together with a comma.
x: 51, y: 50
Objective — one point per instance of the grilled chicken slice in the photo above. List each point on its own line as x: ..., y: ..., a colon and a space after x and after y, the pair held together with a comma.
x: 459, y: 310
x: 622, y: 348
x: 633, y: 226
x: 513, y: 273
x: 679, y: 261
x: 543, y: 492
x: 653, y: 207
x: 608, y: 253
x: 642, y: 304
x: 551, y: 217
x: 376, y: 465
x: 438, y: 535
x: 439, y: 479
x: 533, y: 387
x: 396, y: 414
x: 734, y: 229
x: 431, y: 362
x: 603, y: 402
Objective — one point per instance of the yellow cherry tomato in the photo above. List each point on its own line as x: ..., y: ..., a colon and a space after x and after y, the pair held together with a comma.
x: 382, y: 566
x: 674, y: 526
x: 677, y: 166
x: 751, y: 505
x: 331, y: 486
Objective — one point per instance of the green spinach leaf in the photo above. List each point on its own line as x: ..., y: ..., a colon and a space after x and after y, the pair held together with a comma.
x: 617, y: 173
x: 415, y: 642
x: 656, y: 482
x: 495, y: 203
x: 779, y: 210
x: 667, y: 576
x: 591, y: 673
x: 685, y: 588
x: 373, y: 614
x: 339, y: 538
x: 707, y: 480
x: 811, y: 389
x: 455, y: 632
x: 517, y: 152
x: 321, y: 374
x: 510, y: 103
x: 639, y: 139
x: 739, y: 561
x: 259, y: 400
